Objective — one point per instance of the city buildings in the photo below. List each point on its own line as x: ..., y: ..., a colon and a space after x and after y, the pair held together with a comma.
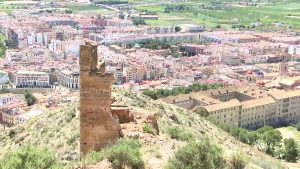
x: 23, y: 118
x: 31, y: 79
x: 244, y: 106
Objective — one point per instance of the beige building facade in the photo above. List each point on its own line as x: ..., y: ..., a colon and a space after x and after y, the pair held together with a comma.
x: 244, y: 106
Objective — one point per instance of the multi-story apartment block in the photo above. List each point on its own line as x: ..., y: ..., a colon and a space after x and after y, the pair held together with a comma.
x: 244, y: 106
x: 288, y: 105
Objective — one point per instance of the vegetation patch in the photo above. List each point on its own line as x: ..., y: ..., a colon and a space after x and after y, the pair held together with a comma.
x: 28, y: 157
x: 179, y: 134
x: 202, y: 155
x: 30, y: 99
x: 147, y: 128
x: 161, y: 93
x: 238, y: 161
x: 266, y: 139
x: 124, y: 153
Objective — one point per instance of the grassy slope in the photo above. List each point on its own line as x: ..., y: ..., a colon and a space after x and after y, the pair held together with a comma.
x: 290, y: 132
x: 53, y: 130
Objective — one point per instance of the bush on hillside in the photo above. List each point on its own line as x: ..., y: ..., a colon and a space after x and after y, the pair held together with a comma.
x: 147, y: 128
x: 238, y: 161
x: 28, y: 157
x: 124, y: 153
x: 200, y: 155
x: 179, y: 134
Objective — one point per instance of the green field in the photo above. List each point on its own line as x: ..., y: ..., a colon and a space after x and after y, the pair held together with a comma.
x: 287, y: 13
x: 290, y: 132
x: 9, y: 8
x: 89, y: 10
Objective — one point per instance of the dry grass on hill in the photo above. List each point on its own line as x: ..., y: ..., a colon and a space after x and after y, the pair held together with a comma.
x: 58, y: 131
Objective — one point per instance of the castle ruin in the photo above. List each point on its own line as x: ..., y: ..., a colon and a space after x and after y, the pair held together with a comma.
x: 98, y: 126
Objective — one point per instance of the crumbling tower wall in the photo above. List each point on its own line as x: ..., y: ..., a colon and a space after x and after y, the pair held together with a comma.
x: 98, y: 127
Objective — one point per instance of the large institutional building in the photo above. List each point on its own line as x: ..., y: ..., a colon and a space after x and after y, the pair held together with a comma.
x: 244, y: 106
x: 31, y: 79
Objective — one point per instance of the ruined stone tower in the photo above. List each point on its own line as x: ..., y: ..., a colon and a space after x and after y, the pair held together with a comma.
x: 98, y: 127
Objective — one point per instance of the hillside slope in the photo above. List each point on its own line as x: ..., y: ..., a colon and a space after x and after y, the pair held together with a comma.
x: 58, y: 130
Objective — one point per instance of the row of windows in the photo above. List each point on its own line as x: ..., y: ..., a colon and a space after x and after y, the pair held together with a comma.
x: 223, y: 110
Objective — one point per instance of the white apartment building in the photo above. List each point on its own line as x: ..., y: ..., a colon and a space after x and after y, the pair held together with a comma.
x: 31, y: 79
x: 69, y: 79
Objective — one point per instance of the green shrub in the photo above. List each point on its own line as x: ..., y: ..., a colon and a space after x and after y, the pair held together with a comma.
x: 290, y: 150
x: 92, y: 157
x: 28, y: 157
x: 238, y: 161
x: 179, y: 134
x: 200, y: 155
x: 147, y: 128
x: 298, y: 126
x: 124, y: 153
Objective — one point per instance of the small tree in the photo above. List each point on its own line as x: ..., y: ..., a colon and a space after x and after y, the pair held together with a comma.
x: 30, y: 99
x: 201, y: 111
x: 290, y: 150
x: 177, y: 29
x: 272, y: 138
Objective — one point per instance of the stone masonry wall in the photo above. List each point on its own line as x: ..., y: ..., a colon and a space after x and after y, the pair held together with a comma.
x: 98, y: 127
